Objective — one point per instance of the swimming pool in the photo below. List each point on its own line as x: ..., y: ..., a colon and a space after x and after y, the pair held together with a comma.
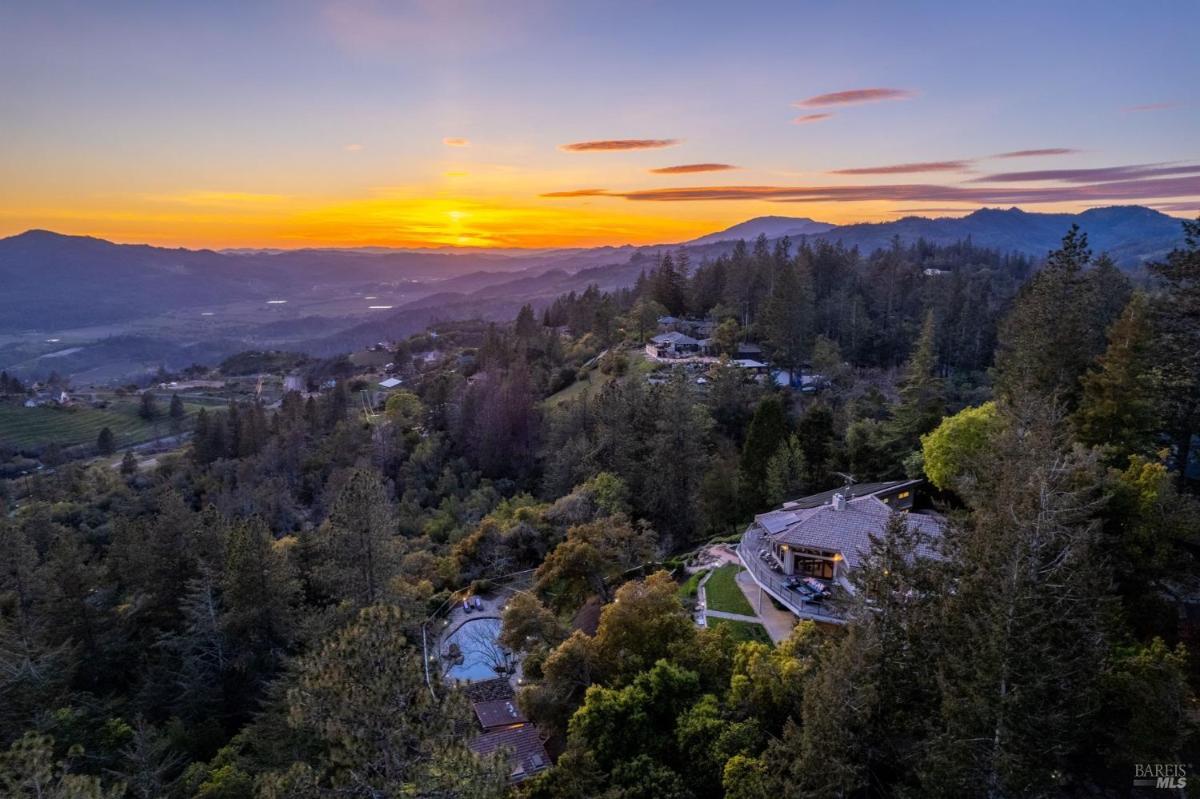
x: 482, y: 655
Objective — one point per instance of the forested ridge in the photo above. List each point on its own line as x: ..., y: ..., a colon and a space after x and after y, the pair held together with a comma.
x: 246, y: 618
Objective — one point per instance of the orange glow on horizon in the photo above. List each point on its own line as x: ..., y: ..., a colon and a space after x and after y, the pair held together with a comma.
x: 212, y: 219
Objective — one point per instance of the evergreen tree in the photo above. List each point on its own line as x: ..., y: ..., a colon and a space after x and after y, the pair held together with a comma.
x: 768, y: 431
x: 1118, y: 411
x: 1024, y: 633
x: 148, y: 406
x: 785, y: 472
x: 106, y: 443
x: 1046, y: 343
x: 865, y: 708
x: 200, y: 439
x: 788, y: 315
x: 922, y: 399
x: 358, y: 542
x: 177, y: 414
x: 129, y: 463
x: 677, y: 456
x: 259, y: 592
x: 1177, y: 345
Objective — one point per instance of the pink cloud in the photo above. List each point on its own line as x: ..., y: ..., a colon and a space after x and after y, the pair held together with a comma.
x: 1036, y: 153
x: 808, y: 119
x: 854, y: 97
x: 609, y: 145
x: 577, y: 193
x: 684, y: 169
x: 1144, y: 189
x: 1100, y: 174
x: 906, y: 169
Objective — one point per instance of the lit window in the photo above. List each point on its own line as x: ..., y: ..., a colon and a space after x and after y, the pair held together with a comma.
x: 902, y: 495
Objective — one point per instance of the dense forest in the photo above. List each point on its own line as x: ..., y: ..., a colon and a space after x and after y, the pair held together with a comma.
x: 245, y: 619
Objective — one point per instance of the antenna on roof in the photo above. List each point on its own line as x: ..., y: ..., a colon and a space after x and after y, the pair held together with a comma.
x: 849, y: 478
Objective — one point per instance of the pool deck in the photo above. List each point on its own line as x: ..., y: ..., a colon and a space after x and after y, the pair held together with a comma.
x: 493, y: 608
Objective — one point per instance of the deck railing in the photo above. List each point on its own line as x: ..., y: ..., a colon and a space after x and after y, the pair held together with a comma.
x: 775, y: 583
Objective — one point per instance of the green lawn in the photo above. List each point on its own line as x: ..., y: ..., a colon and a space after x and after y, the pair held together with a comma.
x: 590, y: 383
x: 722, y: 591
x: 22, y: 427
x: 742, y: 630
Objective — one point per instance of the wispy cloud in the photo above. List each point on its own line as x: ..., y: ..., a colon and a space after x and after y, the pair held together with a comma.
x: 1161, y: 189
x: 455, y: 141
x: 684, y: 169
x: 577, y: 193
x: 854, y: 97
x: 608, y: 145
x: 808, y: 119
x: 1137, y: 109
x: 353, y: 148
x: 1037, y: 153
x: 1100, y: 174
x: 1176, y: 207
x: 906, y: 169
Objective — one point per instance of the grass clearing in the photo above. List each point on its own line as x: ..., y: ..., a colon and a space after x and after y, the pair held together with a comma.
x: 590, y: 383
x: 743, y: 630
x: 722, y: 591
x: 29, y: 428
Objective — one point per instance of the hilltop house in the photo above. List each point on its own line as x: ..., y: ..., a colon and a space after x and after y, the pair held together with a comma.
x: 672, y: 345
x: 502, y: 726
x: 806, y: 549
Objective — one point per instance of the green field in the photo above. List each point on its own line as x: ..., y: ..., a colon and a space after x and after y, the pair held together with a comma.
x: 742, y: 630
x: 30, y: 428
x: 722, y: 592
x: 589, y: 384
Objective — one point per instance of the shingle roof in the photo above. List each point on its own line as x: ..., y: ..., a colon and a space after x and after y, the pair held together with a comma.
x: 489, y: 690
x: 845, y: 531
x: 850, y: 492
x: 527, y: 753
x: 673, y: 337
x: 498, y: 713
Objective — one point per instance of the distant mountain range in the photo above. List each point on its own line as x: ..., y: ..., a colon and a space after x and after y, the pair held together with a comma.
x: 1131, y: 234
x: 51, y: 283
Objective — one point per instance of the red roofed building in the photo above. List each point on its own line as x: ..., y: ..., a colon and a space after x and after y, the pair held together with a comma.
x: 506, y: 728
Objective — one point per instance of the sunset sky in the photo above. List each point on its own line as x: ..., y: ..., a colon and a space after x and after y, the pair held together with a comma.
x: 532, y: 124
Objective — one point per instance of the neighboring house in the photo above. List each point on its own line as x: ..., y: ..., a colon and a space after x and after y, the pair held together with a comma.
x: 672, y: 345
x: 293, y: 383
x: 390, y: 383
x: 696, y: 328
x: 757, y: 367
x: 502, y: 726
x: 808, y: 547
